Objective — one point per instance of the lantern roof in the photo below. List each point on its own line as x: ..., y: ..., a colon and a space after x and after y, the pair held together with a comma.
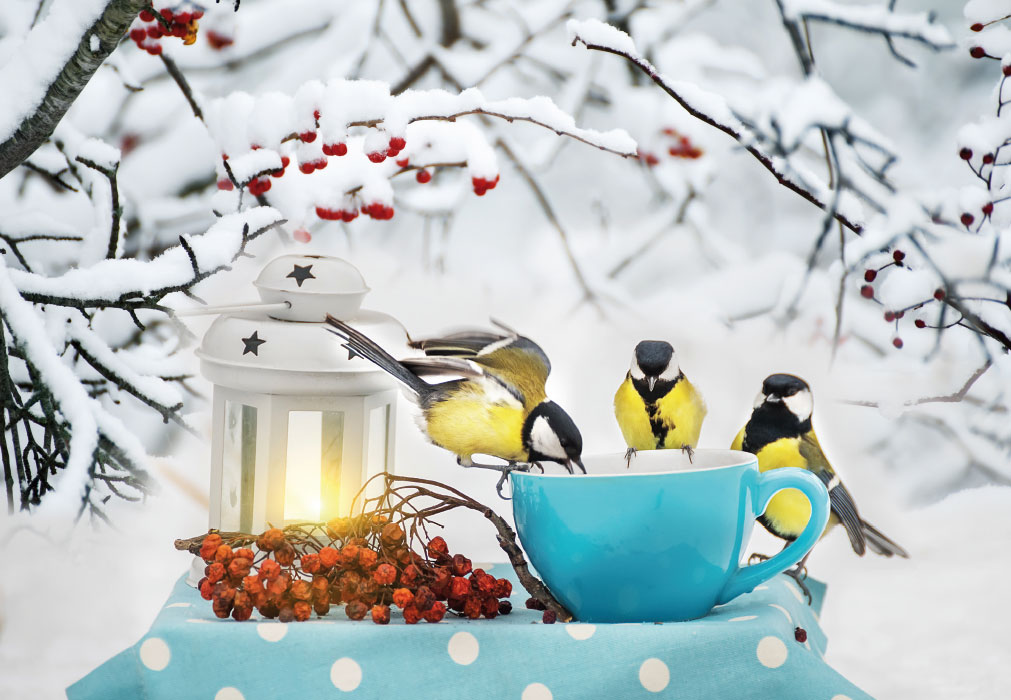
x: 289, y: 351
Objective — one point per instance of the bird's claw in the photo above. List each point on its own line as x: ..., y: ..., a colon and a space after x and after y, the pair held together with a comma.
x: 756, y: 557
x: 629, y: 454
x: 798, y: 574
x: 505, y: 470
x: 687, y: 449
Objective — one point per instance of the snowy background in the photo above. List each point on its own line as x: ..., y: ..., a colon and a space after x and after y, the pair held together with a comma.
x: 715, y: 275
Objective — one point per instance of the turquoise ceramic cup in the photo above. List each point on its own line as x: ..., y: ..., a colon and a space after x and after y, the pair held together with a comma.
x: 661, y: 541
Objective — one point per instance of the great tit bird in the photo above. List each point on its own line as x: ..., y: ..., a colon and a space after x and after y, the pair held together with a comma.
x: 656, y: 406
x: 780, y: 434
x: 496, y: 405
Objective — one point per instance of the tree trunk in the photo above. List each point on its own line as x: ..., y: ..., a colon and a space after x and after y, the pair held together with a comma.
x: 68, y: 83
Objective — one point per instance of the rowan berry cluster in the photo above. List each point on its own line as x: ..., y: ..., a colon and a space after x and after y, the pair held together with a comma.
x: 149, y: 29
x: 680, y: 146
x: 363, y: 563
x: 895, y: 315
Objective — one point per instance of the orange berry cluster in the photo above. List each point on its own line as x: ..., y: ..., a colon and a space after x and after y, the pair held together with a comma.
x: 367, y: 567
x: 180, y: 24
x: 682, y: 147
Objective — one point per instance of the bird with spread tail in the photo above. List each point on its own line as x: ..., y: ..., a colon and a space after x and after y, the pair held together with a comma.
x: 656, y: 406
x: 780, y: 434
x: 495, y: 403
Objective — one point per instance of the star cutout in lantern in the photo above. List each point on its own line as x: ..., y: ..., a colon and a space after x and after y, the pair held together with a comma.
x: 301, y: 273
x: 252, y: 344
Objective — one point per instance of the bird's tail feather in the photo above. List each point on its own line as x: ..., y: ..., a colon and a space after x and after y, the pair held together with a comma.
x: 880, y: 544
x: 362, y: 345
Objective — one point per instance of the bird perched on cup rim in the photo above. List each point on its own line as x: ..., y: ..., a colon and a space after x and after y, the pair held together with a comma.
x: 780, y: 434
x: 494, y: 404
x: 656, y: 406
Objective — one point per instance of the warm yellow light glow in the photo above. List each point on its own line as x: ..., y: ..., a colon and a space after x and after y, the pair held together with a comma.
x: 303, y: 465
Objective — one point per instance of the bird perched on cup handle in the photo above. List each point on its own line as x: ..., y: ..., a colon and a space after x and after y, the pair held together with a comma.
x: 656, y: 406
x: 780, y: 434
x: 495, y: 404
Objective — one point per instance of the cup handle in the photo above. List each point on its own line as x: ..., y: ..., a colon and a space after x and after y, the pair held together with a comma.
x: 770, y: 483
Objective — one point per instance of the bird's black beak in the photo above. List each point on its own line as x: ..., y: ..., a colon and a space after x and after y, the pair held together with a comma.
x: 578, y: 462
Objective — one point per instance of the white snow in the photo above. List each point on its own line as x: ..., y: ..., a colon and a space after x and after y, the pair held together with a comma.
x: 870, y: 17
x: 94, y: 43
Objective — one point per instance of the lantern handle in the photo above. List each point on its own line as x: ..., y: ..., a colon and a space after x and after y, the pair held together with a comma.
x: 235, y: 308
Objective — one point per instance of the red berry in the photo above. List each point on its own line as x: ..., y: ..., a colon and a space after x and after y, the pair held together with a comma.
x: 967, y: 219
x: 977, y: 52
x: 977, y: 27
x: 435, y: 613
x: 1006, y: 70
x: 225, y: 184
x: 308, y: 136
x: 347, y: 216
x: 146, y: 16
x: 411, y: 615
x: 898, y: 256
x: 473, y: 607
x: 403, y: 162
x: 206, y: 588
x: 381, y: 614
x: 307, y: 168
x: 154, y: 50
x: 197, y: 14
x: 939, y: 294
x: 870, y: 275
x: 315, y: 114
x: 138, y: 35
x: 889, y: 316
x: 549, y: 617
x: 377, y: 156
x: 340, y: 149
x: 438, y: 546
x: 867, y: 291
x: 423, y: 176
x: 800, y: 634
x: 899, y: 314
x: 385, y: 574
x: 988, y: 158
x: 988, y: 208
x: 920, y: 323
x: 965, y: 153
x: 356, y: 610
x: 534, y: 604
x: 167, y: 14
x: 402, y: 597
x: 505, y: 607
x: 397, y: 143
x: 897, y: 342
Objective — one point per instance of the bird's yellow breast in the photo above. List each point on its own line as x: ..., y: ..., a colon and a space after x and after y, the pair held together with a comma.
x: 789, y: 510
x: 471, y: 421
x: 681, y: 412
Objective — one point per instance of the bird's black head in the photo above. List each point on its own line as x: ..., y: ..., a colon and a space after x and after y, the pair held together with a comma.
x: 654, y: 369
x: 782, y: 409
x: 550, y: 435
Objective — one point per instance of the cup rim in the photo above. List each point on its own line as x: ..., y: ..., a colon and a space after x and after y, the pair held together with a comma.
x: 743, y: 459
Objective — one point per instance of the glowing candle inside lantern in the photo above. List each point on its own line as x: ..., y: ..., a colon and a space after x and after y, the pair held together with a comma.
x: 304, y: 463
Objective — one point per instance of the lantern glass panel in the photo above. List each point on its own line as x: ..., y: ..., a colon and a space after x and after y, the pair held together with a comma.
x: 378, y: 447
x: 312, y: 465
x: 238, y: 467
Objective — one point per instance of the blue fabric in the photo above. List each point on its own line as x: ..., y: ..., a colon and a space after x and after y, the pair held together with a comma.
x: 744, y: 649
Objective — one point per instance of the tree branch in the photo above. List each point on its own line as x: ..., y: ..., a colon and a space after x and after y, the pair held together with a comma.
x: 64, y: 88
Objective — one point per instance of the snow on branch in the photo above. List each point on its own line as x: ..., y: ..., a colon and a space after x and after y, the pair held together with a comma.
x: 875, y: 19
x: 43, y: 78
x: 709, y: 108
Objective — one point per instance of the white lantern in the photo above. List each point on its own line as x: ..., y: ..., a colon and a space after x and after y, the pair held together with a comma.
x: 298, y: 424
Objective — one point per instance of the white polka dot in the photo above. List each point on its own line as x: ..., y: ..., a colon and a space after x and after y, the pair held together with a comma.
x: 155, y: 654
x: 229, y: 693
x: 272, y: 631
x: 771, y: 652
x: 580, y: 631
x: 486, y: 567
x: 654, y: 675
x: 346, y: 674
x: 796, y: 592
x: 840, y: 697
x: 197, y: 619
x: 742, y: 618
x: 536, y: 691
x: 761, y: 588
x: 463, y: 648
x: 783, y: 610
x: 179, y: 605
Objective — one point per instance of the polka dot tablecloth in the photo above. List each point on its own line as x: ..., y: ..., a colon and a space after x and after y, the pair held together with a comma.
x: 745, y: 649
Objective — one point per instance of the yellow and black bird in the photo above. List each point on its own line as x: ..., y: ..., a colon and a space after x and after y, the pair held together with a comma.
x: 656, y: 406
x: 780, y: 434
x: 496, y: 405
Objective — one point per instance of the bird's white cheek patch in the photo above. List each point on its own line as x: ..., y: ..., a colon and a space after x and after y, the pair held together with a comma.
x: 544, y: 440
x: 636, y: 370
x: 672, y: 371
x: 800, y: 404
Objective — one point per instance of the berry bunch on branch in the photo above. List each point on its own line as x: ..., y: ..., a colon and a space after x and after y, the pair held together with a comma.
x: 383, y: 557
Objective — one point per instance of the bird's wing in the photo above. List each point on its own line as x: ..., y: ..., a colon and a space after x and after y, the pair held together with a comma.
x: 461, y: 344
x: 839, y: 498
x: 465, y: 369
x: 518, y: 362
